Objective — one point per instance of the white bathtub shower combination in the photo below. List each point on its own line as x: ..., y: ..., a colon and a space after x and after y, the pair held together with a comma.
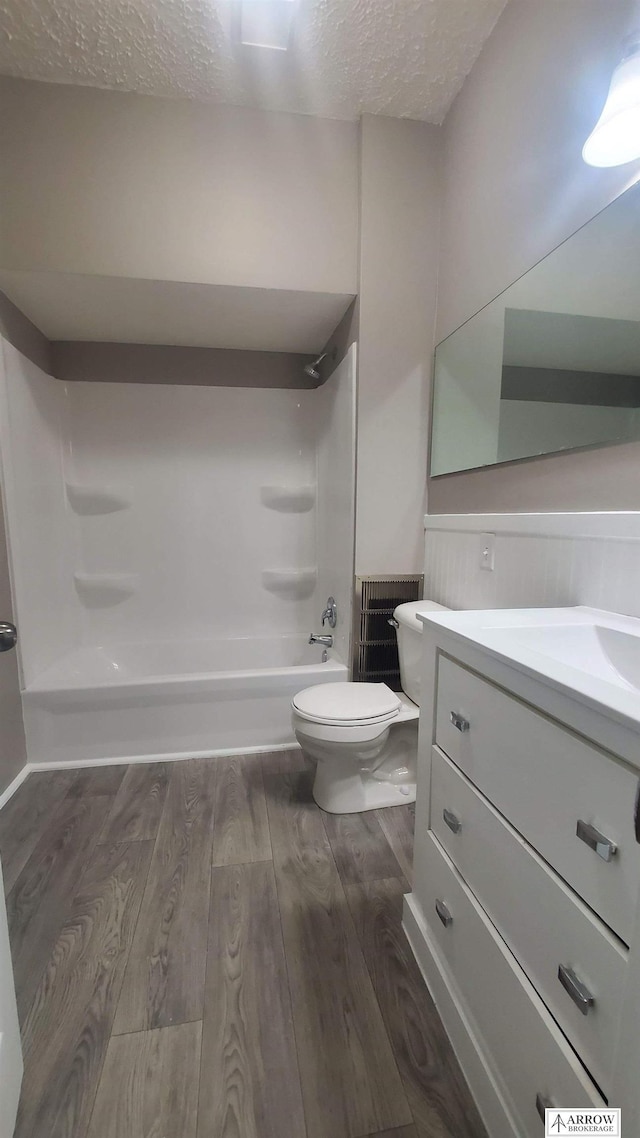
x: 172, y: 700
x: 171, y: 550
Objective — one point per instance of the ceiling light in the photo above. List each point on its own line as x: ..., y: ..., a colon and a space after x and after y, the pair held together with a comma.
x: 615, y: 139
x: 266, y: 23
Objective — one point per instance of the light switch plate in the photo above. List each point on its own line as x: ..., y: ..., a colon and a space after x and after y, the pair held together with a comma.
x: 487, y: 551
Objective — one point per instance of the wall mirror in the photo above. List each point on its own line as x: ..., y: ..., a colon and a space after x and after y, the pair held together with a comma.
x: 553, y: 363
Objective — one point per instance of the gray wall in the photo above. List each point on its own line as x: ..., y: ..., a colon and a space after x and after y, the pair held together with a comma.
x: 343, y: 337
x: 156, y: 363
x: 116, y: 184
x: 153, y: 363
x: 19, y: 331
x: 13, y: 750
x: 400, y: 195
x: 515, y: 186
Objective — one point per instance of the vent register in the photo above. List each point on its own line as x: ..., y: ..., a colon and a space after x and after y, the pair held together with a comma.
x: 375, y: 649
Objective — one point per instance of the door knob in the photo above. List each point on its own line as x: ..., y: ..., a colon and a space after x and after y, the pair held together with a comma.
x: 8, y: 636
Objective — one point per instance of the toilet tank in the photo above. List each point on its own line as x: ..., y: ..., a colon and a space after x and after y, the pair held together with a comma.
x: 409, y: 634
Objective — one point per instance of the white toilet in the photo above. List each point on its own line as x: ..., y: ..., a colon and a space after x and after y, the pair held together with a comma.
x: 364, y: 737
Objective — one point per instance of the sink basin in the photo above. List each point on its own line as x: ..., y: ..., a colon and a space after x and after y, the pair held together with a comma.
x: 587, y: 652
x: 609, y: 653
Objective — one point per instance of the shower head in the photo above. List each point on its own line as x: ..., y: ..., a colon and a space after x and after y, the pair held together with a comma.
x: 312, y: 369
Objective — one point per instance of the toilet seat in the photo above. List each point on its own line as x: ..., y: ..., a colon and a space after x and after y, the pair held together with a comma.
x: 347, y: 704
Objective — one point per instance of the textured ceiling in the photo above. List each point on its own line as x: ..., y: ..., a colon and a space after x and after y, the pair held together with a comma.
x: 405, y: 58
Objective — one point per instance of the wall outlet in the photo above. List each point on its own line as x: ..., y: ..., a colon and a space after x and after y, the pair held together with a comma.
x: 488, y: 551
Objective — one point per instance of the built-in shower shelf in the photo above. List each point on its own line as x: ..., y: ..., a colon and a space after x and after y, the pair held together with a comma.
x: 86, y: 500
x: 101, y: 590
x: 294, y: 584
x: 289, y: 499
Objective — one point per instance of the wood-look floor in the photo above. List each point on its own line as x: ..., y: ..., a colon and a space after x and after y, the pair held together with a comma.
x: 200, y: 952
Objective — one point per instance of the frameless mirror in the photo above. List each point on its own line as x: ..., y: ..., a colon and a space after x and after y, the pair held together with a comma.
x: 553, y: 363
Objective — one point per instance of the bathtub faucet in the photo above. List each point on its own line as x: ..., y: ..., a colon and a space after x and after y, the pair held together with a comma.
x: 326, y: 640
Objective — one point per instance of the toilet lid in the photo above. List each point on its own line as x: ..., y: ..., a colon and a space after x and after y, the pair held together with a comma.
x: 347, y: 703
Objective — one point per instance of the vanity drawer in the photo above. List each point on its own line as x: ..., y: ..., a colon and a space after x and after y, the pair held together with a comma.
x: 530, y: 1056
x: 546, y: 780
x: 543, y: 922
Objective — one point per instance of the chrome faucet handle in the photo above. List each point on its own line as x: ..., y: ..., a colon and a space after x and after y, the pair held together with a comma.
x: 330, y: 614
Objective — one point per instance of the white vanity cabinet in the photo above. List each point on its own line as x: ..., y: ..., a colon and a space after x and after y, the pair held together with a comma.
x: 524, y: 915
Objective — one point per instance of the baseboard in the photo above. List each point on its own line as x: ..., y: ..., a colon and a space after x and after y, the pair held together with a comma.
x: 13, y: 785
x: 174, y: 757
x: 462, y: 1033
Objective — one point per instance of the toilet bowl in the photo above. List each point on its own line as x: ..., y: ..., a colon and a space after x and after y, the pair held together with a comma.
x: 363, y: 736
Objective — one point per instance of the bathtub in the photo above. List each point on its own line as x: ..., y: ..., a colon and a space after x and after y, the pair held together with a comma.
x: 166, y: 700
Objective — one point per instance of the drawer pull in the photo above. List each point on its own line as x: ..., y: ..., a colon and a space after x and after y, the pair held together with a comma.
x: 543, y: 1103
x: 580, y: 995
x: 604, y: 848
x: 444, y: 914
x: 459, y: 721
x: 453, y: 823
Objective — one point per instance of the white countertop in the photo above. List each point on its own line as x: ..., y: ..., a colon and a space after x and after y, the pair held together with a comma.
x: 586, y: 653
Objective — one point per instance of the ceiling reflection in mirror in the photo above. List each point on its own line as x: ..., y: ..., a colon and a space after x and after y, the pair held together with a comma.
x: 553, y: 363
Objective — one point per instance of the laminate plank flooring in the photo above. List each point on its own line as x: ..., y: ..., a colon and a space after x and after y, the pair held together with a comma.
x: 24, y: 816
x: 435, y: 1088
x: 135, y: 813
x: 149, y: 1086
x: 349, y: 1078
x: 97, y: 780
x: 164, y: 982
x: 40, y: 899
x: 67, y: 1030
x: 250, y: 1086
x: 403, y: 1132
x: 359, y: 847
x: 241, y: 827
x: 163, y: 996
x: 397, y: 824
x: 284, y: 762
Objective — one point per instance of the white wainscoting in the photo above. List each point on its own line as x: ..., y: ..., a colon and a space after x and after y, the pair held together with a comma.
x: 540, y: 560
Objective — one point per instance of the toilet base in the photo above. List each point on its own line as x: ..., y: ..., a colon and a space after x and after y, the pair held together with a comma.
x: 342, y: 792
x: 346, y: 785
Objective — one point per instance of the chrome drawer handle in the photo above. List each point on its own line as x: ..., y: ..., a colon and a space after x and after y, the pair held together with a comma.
x: 453, y: 823
x: 443, y: 913
x: 604, y: 847
x: 580, y: 995
x: 459, y: 721
x: 543, y: 1103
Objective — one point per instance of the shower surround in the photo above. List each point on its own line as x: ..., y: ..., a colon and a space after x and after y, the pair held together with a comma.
x: 171, y: 549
